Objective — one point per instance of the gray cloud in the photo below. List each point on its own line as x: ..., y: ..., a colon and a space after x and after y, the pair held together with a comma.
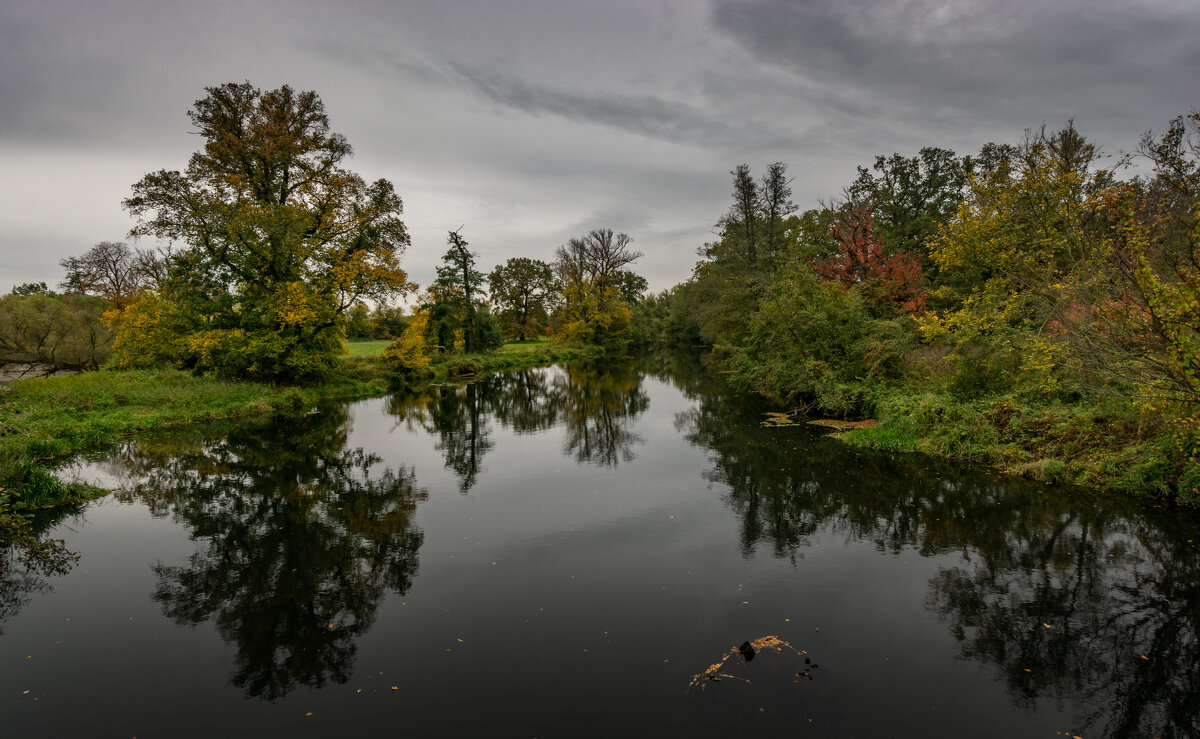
x: 1016, y: 63
x: 640, y: 114
x: 532, y: 121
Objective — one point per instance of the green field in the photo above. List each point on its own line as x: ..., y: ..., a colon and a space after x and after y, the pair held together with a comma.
x: 367, y: 348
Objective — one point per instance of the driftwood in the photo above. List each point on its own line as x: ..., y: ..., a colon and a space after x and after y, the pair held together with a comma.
x: 744, y: 653
x: 833, y: 423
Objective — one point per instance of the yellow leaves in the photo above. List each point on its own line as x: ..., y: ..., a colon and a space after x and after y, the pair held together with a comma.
x: 295, y: 306
x: 408, y: 353
x: 146, y: 332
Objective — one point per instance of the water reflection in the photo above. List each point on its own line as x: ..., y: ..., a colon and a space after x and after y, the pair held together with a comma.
x: 1087, y: 606
x: 24, y: 573
x: 600, y: 403
x: 301, y: 538
x: 1085, y: 601
x: 1091, y: 603
x: 595, y: 403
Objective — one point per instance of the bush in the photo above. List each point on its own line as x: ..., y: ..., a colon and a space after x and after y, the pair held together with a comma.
x: 44, y: 328
x: 818, y: 341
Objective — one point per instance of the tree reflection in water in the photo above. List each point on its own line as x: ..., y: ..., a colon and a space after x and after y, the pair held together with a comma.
x: 1090, y: 602
x: 23, y: 577
x: 1086, y: 606
x: 596, y: 403
x: 599, y: 404
x: 301, y: 538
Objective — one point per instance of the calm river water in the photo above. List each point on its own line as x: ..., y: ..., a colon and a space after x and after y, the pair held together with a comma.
x: 558, y: 552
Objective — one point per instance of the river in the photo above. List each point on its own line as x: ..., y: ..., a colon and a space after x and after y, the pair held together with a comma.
x: 576, y: 551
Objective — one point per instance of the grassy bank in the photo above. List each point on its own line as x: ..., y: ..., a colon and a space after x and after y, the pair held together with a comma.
x: 45, y: 421
x: 1100, y: 443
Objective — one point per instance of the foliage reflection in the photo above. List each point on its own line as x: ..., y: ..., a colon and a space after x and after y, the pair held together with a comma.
x: 1095, y: 603
x: 300, y: 540
x: 595, y: 403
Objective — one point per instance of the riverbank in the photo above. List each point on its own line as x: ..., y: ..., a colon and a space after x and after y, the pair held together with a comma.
x: 46, y: 420
x: 1101, y: 443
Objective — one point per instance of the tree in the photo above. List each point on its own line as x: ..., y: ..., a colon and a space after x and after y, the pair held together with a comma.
x: 775, y: 197
x: 460, y: 287
x: 25, y: 289
x: 893, y: 283
x: 41, y: 328
x: 1136, y: 321
x: 1021, y: 237
x: 591, y: 272
x: 358, y: 322
x: 743, y: 216
x: 520, y: 289
x: 631, y: 286
x: 911, y: 196
x: 607, y: 256
x: 280, y: 240
x: 110, y: 269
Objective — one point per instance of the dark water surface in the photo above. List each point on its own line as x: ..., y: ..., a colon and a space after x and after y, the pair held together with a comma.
x: 558, y: 552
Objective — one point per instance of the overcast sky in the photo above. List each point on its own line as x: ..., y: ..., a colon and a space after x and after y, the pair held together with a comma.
x: 531, y: 121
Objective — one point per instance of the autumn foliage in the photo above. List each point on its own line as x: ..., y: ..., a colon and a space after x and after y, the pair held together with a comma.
x: 861, y: 260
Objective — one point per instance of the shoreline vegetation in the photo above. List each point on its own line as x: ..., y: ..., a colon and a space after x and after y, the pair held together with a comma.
x: 1028, y: 307
x: 48, y: 420
x: 1034, y: 307
x: 1105, y: 445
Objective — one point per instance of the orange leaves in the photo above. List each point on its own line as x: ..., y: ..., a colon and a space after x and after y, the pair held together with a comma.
x: 862, y: 261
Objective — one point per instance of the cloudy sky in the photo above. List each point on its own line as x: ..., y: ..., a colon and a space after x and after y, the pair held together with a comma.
x: 531, y: 121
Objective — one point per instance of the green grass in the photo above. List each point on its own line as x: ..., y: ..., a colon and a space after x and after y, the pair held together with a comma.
x: 533, y: 346
x: 367, y: 348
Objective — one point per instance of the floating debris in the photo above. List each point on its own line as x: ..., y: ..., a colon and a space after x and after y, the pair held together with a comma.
x: 744, y: 653
x: 833, y: 423
x: 779, y: 419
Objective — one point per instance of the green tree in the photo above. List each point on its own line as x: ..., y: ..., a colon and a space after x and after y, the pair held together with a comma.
x: 358, y: 322
x: 1137, y: 320
x: 25, y: 289
x: 775, y: 198
x: 911, y: 196
x: 520, y: 289
x: 742, y: 218
x: 459, y: 287
x: 280, y: 239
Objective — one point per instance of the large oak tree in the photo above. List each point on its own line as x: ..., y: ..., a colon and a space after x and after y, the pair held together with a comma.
x: 280, y: 239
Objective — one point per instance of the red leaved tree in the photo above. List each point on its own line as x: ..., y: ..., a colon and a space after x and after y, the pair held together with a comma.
x: 895, y: 279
